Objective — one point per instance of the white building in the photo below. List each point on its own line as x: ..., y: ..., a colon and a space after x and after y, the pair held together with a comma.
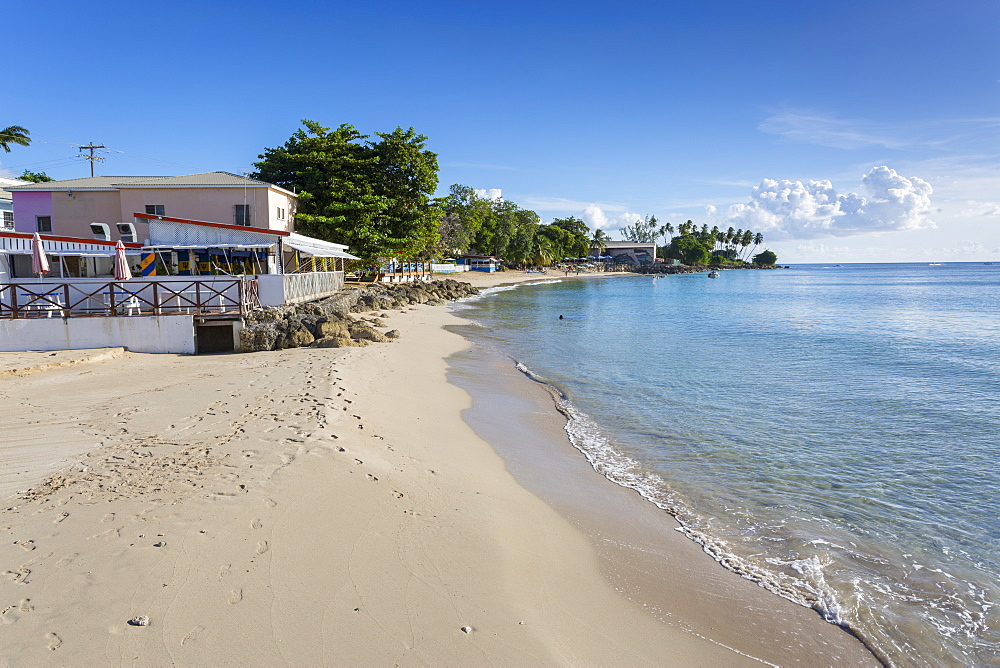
x: 6, y: 203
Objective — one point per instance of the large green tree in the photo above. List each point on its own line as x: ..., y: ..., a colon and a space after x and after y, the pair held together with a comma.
x: 766, y: 258
x: 374, y: 196
x: 689, y: 249
x: 14, y: 134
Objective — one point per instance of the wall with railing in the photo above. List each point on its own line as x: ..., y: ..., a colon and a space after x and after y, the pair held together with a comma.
x: 278, y: 289
x: 32, y: 298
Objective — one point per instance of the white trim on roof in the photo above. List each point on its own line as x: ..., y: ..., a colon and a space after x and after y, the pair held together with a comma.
x: 317, y: 247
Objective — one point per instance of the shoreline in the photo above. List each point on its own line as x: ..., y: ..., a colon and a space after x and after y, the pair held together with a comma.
x: 301, y: 506
x: 641, y: 549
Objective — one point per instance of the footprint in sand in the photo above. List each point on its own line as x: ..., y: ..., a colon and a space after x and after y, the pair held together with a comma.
x: 110, y: 534
x: 271, y: 503
x: 55, y: 642
x: 262, y: 547
x: 110, y: 517
x: 235, y: 596
x: 26, y: 606
x: 9, y: 615
x: 68, y: 559
x: 225, y: 570
x: 192, y: 635
x: 60, y: 518
x: 255, y: 524
x: 27, y: 545
x: 372, y: 478
x: 20, y: 575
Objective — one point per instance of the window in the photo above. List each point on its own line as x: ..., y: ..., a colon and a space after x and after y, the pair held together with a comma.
x: 43, y: 223
x: 154, y: 209
x: 101, y: 231
x: 281, y: 213
x: 8, y: 219
x: 241, y: 214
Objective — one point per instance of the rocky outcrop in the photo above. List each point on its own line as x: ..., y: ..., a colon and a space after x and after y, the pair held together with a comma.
x: 328, y: 323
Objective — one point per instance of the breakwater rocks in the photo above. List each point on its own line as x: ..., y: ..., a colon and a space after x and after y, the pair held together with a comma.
x: 329, y: 323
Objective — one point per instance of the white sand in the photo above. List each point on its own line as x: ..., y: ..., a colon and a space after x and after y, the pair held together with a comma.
x: 301, y: 507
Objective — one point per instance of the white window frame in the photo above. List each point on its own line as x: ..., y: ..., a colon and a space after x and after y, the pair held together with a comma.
x: 8, y: 220
x: 155, y: 210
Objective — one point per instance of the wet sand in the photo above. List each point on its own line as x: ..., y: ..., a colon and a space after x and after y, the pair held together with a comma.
x: 318, y: 506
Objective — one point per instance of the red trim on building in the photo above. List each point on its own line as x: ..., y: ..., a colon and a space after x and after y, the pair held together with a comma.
x: 72, y: 240
x: 205, y: 223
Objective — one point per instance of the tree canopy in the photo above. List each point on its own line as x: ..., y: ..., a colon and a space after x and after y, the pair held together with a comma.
x: 766, y: 258
x: 35, y: 177
x: 373, y: 195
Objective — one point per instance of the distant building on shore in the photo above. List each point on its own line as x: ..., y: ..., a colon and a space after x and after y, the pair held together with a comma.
x: 630, y: 252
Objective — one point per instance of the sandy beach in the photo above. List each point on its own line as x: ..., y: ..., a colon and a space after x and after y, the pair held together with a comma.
x: 332, y: 507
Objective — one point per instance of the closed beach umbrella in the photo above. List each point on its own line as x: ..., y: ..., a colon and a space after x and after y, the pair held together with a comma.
x: 122, y: 272
x: 39, y: 263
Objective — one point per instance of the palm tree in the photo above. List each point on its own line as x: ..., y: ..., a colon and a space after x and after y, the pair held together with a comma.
x: 14, y: 134
x: 757, y: 241
x: 599, y: 242
x: 542, y: 251
x: 746, y: 239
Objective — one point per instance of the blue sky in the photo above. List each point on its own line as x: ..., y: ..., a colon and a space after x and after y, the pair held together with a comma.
x: 844, y: 131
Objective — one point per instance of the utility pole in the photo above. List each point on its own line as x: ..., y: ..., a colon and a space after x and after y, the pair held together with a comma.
x: 93, y: 158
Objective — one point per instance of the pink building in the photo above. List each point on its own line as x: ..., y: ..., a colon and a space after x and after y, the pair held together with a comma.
x: 104, y: 207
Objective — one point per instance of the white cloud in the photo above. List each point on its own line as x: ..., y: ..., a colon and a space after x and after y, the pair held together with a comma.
x: 981, y: 209
x: 493, y: 194
x: 597, y: 218
x: 562, y: 204
x: 827, y: 130
x: 710, y: 210
x: 814, y: 209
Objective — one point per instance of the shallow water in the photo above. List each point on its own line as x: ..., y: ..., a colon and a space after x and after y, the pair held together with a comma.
x: 827, y: 431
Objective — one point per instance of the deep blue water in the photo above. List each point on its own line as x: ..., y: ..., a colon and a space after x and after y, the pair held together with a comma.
x: 830, y: 431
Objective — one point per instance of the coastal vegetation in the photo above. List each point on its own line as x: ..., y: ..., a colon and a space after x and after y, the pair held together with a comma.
x: 376, y: 194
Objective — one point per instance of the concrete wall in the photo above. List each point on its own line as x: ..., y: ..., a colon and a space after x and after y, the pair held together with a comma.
x: 213, y: 205
x: 29, y: 204
x: 276, y: 200
x: 73, y: 214
x: 146, y: 334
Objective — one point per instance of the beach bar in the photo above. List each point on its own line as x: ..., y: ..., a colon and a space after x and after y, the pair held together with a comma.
x: 191, y: 282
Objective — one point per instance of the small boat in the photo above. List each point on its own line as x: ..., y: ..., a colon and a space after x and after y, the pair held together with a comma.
x: 713, y: 274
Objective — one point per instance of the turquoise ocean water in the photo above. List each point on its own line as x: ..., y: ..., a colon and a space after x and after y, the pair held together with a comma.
x: 828, y: 431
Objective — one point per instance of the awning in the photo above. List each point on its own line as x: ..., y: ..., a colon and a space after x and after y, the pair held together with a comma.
x: 170, y: 247
x: 317, y: 247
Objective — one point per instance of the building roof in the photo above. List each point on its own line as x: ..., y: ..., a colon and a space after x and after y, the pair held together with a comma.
x: 7, y: 183
x: 628, y: 244
x: 207, y: 179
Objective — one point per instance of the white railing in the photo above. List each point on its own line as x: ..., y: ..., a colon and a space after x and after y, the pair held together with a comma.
x: 294, y: 288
